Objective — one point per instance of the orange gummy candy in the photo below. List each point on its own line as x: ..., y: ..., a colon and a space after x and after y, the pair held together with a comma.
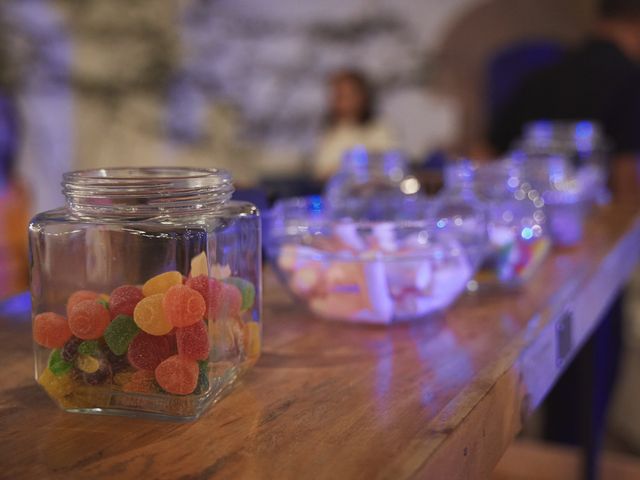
x: 183, y: 306
x: 89, y: 319
x: 149, y: 315
x: 142, y: 381
x: 80, y: 296
x: 161, y: 283
x: 178, y: 375
x: 51, y: 330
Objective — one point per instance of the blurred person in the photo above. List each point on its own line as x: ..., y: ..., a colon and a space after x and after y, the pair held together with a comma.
x: 350, y: 121
x: 599, y: 80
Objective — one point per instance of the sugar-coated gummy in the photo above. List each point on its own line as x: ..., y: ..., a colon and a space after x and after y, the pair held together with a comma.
x: 201, y: 284
x: 80, y: 296
x: 90, y: 347
x: 70, y: 349
x: 183, y: 306
x: 147, y: 351
x: 178, y: 375
x: 51, y: 330
x: 200, y: 265
x: 119, y: 334
x: 247, y: 290
x: 150, y: 317
x: 193, y: 341
x: 124, y: 299
x: 161, y: 283
x: 56, y: 386
x: 89, y: 319
x: 203, y: 377
x: 87, y: 363
x: 225, y: 300
x: 118, y: 363
x: 57, y: 364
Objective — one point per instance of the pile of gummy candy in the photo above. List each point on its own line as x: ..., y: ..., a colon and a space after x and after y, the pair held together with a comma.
x: 152, y: 339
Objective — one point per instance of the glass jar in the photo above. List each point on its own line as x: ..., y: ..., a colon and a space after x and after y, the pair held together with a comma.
x: 146, y: 291
x: 518, y: 240
x: 369, y: 185
x: 459, y: 212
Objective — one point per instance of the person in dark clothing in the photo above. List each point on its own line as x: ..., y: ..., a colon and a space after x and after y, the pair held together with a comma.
x: 598, y: 81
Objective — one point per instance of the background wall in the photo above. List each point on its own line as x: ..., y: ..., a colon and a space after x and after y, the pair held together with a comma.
x: 240, y: 83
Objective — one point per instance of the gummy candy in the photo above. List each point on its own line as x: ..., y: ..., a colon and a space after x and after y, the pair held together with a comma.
x: 142, y: 381
x: 90, y: 347
x: 57, y: 387
x: 193, y: 341
x: 150, y: 316
x: 70, y: 349
x: 147, y: 351
x: 51, y: 330
x: 247, y: 290
x: 178, y: 375
x: 87, y: 363
x: 89, y: 319
x: 161, y: 283
x: 122, y: 378
x: 57, y: 364
x: 183, y: 306
x: 80, y: 296
x: 118, y: 362
x: 225, y: 299
x: 101, y: 375
x: 201, y: 284
x: 200, y: 265
x: 124, y: 299
x: 251, y: 339
x: 203, y: 377
x: 119, y: 334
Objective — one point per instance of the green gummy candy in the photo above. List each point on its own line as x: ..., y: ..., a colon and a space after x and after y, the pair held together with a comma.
x: 89, y: 347
x: 103, y: 302
x: 119, y: 334
x: 247, y: 290
x: 203, y: 377
x: 58, y: 365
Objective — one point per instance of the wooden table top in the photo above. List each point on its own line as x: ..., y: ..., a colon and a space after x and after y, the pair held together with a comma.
x: 440, y: 398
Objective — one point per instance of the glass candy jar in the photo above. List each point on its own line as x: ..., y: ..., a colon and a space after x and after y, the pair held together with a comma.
x: 146, y: 291
x: 518, y: 241
x: 369, y: 185
x: 459, y: 212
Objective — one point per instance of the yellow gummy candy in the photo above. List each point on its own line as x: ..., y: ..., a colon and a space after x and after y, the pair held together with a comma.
x: 149, y: 316
x: 161, y: 283
x: 200, y: 265
x: 251, y: 339
x: 56, y: 387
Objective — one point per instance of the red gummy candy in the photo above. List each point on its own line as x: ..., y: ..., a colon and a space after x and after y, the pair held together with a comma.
x: 226, y: 300
x: 201, y: 285
x: 193, y: 341
x: 183, y: 306
x: 80, y: 296
x: 51, y: 330
x: 178, y: 375
x: 89, y: 319
x: 123, y: 300
x: 147, y: 351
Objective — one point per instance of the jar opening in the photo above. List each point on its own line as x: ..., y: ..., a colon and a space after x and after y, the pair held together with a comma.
x: 146, y: 191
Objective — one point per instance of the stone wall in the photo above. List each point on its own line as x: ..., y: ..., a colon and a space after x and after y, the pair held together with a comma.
x: 240, y: 83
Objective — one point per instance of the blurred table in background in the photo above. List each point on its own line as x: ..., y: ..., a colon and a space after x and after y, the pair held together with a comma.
x: 441, y: 398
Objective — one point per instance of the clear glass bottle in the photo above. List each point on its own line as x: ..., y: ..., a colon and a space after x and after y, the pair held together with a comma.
x: 146, y: 291
x: 370, y: 186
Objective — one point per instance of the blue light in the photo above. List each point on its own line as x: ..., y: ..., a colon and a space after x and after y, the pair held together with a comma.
x: 441, y: 223
x: 315, y: 204
x: 584, y: 130
x: 527, y: 233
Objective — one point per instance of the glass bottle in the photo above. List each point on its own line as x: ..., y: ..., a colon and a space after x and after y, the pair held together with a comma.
x: 146, y: 291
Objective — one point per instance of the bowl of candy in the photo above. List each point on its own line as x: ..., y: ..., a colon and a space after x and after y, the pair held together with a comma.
x: 365, y: 271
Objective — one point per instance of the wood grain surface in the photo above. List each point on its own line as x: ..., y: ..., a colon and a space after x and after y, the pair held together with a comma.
x: 440, y: 399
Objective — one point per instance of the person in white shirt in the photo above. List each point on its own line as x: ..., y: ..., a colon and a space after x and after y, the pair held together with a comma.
x: 350, y: 122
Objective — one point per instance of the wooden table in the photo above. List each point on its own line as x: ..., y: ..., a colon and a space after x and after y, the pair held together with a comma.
x: 438, y: 399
